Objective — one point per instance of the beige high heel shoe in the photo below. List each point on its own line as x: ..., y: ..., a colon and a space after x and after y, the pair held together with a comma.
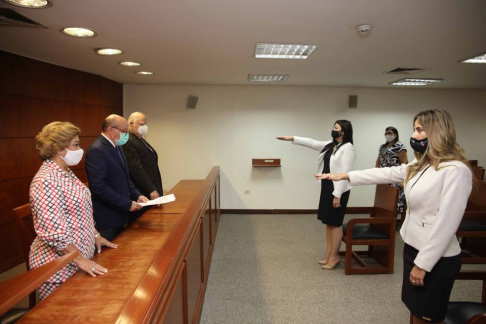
x: 322, y: 262
x: 329, y: 267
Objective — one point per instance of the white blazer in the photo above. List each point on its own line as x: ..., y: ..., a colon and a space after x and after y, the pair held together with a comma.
x: 342, y: 161
x: 436, y: 204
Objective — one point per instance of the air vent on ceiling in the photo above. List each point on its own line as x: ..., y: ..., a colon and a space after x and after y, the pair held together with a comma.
x: 11, y: 18
x: 400, y: 70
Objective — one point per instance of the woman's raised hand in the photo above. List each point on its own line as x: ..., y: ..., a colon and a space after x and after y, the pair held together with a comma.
x: 286, y: 138
x: 332, y: 176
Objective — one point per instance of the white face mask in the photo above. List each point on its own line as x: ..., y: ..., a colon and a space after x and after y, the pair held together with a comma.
x: 390, y: 138
x: 72, y: 157
x: 142, y: 130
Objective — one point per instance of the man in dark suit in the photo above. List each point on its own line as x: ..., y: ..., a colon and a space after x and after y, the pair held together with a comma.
x: 142, y: 158
x: 113, y: 194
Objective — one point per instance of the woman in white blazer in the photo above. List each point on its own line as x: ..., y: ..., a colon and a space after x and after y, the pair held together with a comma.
x: 437, y: 187
x: 336, y: 156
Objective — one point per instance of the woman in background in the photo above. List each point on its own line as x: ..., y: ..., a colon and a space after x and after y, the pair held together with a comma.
x: 336, y: 155
x: 437, y: 187
x: 61, y: 208
x: 393, y: 153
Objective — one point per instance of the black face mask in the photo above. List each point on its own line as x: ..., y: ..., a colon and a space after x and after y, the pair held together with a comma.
x: 419, y: 145
x: 335, y: 134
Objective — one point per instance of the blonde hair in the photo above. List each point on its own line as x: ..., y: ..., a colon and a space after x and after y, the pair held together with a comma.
x: 442, y: 145
x: 54, y: 137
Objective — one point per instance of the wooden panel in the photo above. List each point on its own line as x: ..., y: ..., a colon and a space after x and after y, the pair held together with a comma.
x: 36, y: 113
x: 27, y: 161
x: 11, y: 244
x: 265, y: 162
x: 22, y: 76
x: 206, y: 237
x: 176, y: 311
x: 194, y: 277
x: 214, y: 215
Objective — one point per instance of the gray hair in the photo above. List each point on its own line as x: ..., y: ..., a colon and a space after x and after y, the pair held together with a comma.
x: 135, y: 116
x: 110, y: 121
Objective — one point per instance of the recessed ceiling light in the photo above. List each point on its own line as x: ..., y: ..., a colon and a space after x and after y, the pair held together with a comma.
x: 477, y: 59
x: 284, y: 51
x: 130, y: 63
x: 415, y: 82
x: 108, y: 51
x: 34, y: 4
x: 268, y: 77
x: 78, y: 32
x: 145, y: 72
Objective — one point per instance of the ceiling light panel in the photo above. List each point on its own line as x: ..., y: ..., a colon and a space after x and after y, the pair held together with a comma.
x: 268, y: 77
x: 108, y: 51
x: 284, y: 51
x: 415, y: 82
x: 78, y: 32
x: 130, y: 63
x: 35, y: 4
x: 145, y: 72
x: 477, y: 59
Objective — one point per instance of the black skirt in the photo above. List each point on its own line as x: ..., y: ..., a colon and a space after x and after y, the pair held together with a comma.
x: 429, y: 302
x: 327, y: 214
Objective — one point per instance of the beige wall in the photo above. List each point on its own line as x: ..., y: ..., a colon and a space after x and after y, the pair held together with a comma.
x: 233, y: 124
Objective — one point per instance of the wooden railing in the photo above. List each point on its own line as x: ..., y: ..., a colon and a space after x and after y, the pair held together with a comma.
x: 14, y: 290
x: 157, y: 274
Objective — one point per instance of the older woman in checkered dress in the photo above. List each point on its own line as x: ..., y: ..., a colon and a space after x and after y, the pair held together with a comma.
x: 61, y: 208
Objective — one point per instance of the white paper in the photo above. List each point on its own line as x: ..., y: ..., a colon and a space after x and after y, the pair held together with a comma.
x: 160, y: 200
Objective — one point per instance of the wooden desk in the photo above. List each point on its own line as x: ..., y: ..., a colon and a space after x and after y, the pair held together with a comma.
x: 157, y: 274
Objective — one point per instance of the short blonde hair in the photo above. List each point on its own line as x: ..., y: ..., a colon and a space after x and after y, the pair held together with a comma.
x: 54, y: 137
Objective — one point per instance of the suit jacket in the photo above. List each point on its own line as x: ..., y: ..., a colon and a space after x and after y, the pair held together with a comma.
x: 143, y: 165
x: 436, y: 202
x: 112, y: 192
x: 341, y: 162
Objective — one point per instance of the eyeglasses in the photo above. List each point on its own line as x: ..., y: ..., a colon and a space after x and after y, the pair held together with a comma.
x: 121, y: 130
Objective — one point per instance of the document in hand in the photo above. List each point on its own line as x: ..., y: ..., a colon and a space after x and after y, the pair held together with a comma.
x: 160, y: 200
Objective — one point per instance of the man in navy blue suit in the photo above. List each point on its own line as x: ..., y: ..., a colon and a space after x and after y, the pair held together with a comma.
x: 113, y: 194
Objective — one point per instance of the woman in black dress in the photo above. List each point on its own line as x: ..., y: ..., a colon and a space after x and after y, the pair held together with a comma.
x: 335, y: 155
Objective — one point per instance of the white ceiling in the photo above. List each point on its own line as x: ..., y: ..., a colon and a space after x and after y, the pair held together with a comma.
x: 213, y: 41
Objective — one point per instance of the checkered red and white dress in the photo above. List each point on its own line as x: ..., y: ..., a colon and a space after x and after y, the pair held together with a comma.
x: 63, y: 215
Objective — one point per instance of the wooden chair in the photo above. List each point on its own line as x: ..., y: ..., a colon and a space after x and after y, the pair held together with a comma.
x: 27, y: 233
x: 472, y: 230
x: 14, y: 290
x: 468, y: 312
x: 377, y: 232
x: 478, y: 172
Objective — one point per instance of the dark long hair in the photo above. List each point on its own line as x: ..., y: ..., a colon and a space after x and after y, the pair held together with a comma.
x: 394, y: 130
x: 347, y: 128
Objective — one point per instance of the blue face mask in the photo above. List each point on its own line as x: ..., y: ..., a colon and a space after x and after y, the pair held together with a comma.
x: 123, y: 139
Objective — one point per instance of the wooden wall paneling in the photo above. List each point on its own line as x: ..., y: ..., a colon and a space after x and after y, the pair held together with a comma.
x: 13, y: 193
x: 177, y: 310
x: 32, y: 114
x: 11, y: 246
x: 19, y: 158
x: 194, y: 276
x: 49, y: 81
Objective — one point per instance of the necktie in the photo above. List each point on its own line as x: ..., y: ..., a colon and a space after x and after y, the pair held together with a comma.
x: 119, y: 153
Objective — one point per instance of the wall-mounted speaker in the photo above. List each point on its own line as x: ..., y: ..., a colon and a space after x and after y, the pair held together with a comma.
x: 191, y: 102
x: 353, y: 101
